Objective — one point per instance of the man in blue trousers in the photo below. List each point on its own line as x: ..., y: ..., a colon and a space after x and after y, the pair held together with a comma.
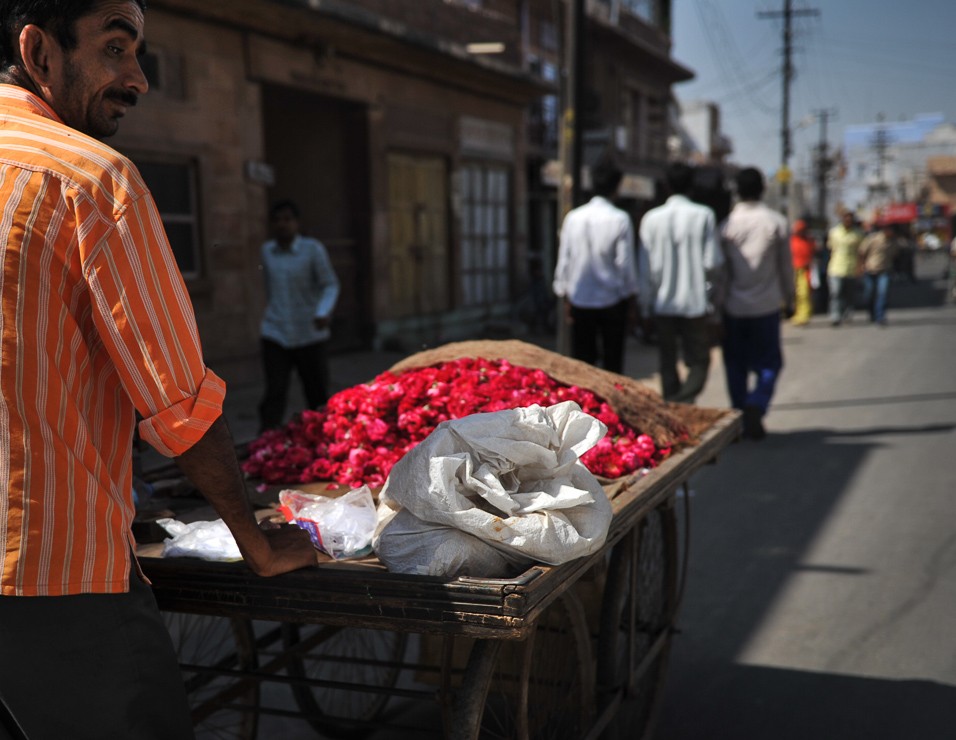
x: 756, y: 243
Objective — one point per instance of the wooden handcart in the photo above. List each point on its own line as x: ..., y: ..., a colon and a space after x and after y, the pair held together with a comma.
x: 571, y: 651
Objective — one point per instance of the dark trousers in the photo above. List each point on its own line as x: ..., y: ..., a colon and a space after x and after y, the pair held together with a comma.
x: 752, y: 345
x: 600, y: 333
x: 91, y: 667
x: 311, y: 365
x: 689, y: 337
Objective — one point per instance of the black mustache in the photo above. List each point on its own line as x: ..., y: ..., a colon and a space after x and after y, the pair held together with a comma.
x: 124, y: 96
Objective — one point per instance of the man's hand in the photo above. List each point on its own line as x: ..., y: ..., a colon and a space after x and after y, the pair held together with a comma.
x: 289, y: 549
x: 211, y: 465
x: 568, y: 315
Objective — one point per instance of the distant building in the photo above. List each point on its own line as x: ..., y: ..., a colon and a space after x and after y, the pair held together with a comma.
x: 890, y: 162
x: 698, y: 137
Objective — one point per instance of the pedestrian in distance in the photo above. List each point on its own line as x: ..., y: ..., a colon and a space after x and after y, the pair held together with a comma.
x: 843, y: 241
x: 760, y: 285
x: 679, y: 269
x: 803, y: 248
x: 876, y: 255
x: 95, y: 326
x: 596, y: 274
x: 301, y: 291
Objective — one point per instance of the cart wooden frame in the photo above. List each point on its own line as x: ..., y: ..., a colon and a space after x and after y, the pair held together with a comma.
x: 609, y: 649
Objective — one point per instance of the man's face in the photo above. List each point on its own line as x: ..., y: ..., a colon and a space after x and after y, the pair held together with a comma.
x: 284, y: 225
x: 101, y: 77
x: 848, y: 220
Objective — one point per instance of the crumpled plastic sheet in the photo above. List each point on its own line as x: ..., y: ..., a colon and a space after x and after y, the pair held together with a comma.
x: 206, y: 540
x: 488, y: 494
x: 340, y: 526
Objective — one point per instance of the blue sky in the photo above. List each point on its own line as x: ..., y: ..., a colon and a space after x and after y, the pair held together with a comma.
x: 858, y: 58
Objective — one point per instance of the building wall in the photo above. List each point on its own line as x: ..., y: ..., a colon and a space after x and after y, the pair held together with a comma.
x: 411, y: 116
x: 457, y: 21
x: 215, y: 79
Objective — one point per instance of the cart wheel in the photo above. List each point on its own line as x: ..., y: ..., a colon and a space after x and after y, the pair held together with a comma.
x: 536, y: 689
x: 367, y: 663
x: 223, y: 706
x: 634, y: 637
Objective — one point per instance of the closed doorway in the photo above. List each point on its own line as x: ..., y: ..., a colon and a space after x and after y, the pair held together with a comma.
x: 318, y: 149
x: 418, y: 252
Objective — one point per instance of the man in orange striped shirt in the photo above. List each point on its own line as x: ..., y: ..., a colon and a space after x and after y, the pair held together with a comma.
x: 95, y: 325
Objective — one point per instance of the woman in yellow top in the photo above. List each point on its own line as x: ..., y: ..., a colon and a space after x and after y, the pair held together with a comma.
x: 844, y: 244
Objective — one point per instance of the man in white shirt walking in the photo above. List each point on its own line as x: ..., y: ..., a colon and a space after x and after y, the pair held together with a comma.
x: 302, y: 289
x: 596, y: 274
x: 680, y: 263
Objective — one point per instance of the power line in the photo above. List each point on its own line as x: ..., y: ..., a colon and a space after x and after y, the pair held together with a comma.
x: 727, y: 58
x: 788, y: 14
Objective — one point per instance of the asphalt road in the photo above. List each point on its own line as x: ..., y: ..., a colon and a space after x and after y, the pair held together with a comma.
x: 821, y: 595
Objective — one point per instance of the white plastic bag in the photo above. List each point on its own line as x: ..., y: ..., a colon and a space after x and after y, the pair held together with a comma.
x: 488, y: 494
x: 206, y: 540
x: 341, y: 527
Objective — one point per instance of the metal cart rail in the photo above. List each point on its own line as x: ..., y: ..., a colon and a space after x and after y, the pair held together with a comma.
x: 558, y: 651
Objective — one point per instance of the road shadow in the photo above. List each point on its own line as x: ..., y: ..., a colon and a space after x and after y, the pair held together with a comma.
x: 787, y: 704
x: 873, y: 401
x: 753, y: 517
x: 920, y: 294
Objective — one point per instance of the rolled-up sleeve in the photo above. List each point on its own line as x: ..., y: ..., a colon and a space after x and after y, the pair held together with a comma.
x: 175, y: 429
x: 145, y: 319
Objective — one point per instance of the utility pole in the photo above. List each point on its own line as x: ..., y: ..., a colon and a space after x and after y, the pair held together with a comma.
x: 569, y: 190
x: 574, y: 85
x: 788, y: 14
x: 881, y: 142
x: 823, y: 161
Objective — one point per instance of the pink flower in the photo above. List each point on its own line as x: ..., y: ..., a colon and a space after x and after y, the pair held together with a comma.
x: 364, y: 430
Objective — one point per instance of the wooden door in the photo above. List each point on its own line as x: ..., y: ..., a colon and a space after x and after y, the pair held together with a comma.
x: 418, y: 251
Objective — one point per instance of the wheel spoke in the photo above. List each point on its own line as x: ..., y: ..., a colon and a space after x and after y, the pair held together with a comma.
x: 210, y: 650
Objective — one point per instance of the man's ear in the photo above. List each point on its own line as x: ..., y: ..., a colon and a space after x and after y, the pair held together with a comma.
x: 36, y: 50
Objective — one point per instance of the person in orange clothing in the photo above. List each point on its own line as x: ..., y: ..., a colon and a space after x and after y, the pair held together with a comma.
x: 96, y: 326
x: 802, y: 249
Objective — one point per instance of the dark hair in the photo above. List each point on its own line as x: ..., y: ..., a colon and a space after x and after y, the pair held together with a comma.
x: 606, y: 178
x: 749, y: 184
x: 680, y: 177
x: 57, y: 17
x: 286, y: 204
x: 710, y: 190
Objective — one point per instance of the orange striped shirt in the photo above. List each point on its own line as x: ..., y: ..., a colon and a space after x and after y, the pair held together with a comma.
x: 96, y: 324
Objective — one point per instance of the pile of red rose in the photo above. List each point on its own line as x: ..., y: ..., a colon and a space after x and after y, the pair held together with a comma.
x: 364, y: 430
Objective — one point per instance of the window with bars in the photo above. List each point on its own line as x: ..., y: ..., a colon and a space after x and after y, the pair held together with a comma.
x: 174, y: 188
x: 485, y: 234
x: 544, y: 113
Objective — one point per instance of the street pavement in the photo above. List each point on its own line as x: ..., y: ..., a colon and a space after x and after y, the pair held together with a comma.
x: 821, y: 595
x: 821, y: 591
